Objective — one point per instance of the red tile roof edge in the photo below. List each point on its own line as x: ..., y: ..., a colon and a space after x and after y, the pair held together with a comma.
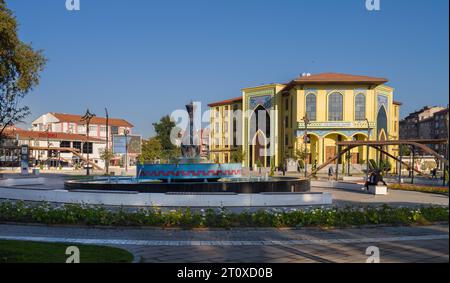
x: 339, y: 78
x: 25, y: 134
x: 63, y: 117
x: 225, y: 102
x: 322, y: 78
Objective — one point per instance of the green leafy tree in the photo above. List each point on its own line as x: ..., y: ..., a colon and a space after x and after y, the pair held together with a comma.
x: 237, y: 156
x: 20, y: 68
x: 106, y: 155
x: 272, y: 167
x: 405, y: 151
x: 382, y: 165
x: 163, y: 129
x: 152, y: 149
x: 300, y: 155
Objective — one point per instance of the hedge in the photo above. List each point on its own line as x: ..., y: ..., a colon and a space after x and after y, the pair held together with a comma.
x: 20, y: 212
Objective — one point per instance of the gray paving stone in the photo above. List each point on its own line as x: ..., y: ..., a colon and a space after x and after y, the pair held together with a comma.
x: 261, y: 245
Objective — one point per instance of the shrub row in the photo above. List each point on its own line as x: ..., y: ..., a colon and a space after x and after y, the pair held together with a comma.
x: 419, y: 188
x: 220, y: 218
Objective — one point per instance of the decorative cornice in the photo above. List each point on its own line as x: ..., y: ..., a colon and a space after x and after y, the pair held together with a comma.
x: 337, y: 125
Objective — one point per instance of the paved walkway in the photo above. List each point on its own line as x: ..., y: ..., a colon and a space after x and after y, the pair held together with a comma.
x: 394, y: 198
x: 396, y: 244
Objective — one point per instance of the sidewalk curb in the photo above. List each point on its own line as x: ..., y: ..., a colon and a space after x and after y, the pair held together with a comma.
x: 176, y: 229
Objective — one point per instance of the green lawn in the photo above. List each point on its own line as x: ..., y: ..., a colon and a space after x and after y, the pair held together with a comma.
x: 33, y: 252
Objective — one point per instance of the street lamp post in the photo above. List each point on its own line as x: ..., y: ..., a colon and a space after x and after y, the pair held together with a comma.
x: 305, y: 139
x: 126, y: 132
x: 446, y: 166
x: 283, y: 152
x: 48, y: 144
x: 87, y: 119
x: 367, y: 149
x: 107, y: 142
x: 400, y: 164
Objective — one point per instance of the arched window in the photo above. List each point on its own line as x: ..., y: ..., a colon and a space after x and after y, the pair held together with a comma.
x: 360, y: 107
x: 335, y: 107
x: 382, y: 123
x: 311, y: 107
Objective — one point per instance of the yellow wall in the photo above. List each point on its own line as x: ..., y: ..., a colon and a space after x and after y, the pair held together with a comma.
x: 221, y: 132
x: 326, y: 135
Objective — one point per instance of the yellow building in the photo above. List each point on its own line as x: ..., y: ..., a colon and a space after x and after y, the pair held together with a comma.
x: 224, y: 130
x: 338, y: 107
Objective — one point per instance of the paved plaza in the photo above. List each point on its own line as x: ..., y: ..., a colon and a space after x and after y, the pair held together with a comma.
x: 340, y: 197
x: 394, y: 198
x: 396, y: 244
x: 307, y: 245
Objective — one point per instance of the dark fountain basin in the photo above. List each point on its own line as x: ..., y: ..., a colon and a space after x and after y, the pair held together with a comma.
x: 239, y: 186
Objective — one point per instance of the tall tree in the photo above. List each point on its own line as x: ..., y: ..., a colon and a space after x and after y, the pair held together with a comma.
x: 151, y: 150
x: 20, y: 68
x: 163, y: 129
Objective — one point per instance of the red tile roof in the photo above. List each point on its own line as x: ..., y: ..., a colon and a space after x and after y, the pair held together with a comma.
x: 324, y: 78
x: 37, y: 135
x: 327, y: 78
x: 95, y: 121
x: 226, y: 102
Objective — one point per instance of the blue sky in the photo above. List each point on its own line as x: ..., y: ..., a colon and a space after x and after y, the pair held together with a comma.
x: 144, y: 58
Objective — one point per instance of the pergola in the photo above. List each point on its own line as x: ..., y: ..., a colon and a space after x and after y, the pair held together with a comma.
x: 74, y: 151
x: 346, y: 146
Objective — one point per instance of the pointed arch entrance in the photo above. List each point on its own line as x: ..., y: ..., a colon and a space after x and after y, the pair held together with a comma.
x: 260, y: 131
x: 382, y: 129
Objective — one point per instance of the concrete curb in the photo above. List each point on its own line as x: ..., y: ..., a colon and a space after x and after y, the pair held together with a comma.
x: 148, y: 228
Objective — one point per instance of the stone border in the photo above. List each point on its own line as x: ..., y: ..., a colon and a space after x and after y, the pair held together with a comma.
x: 133, y: 199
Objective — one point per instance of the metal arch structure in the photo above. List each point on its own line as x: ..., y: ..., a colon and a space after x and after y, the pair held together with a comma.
x: 420, y: 144
x: 74, y: 151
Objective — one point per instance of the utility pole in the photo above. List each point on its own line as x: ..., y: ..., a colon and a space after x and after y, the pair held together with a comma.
x: 107, y: 142
x: 87, y: 119
x: 283, y: 143
x: 446, y: 167
x: 348, y: 159
x: 126, y: 132
x: 367, y: 149
x: 400, y: 164
x: 48, y: 145
x: 413, y: 163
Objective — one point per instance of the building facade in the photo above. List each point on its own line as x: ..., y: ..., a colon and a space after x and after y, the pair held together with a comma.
x: 51, y: 149
x: 336, y: 107
x: 225, y: 128
x: 425, y: 124
x: 419, y: 124
x: 68, y: 131
x: 441, y: 130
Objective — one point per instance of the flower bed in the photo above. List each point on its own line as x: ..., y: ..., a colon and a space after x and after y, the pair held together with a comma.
x: 419, y: 188
x: 221, y: 218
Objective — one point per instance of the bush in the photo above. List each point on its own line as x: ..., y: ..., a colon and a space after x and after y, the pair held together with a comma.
x: 419, y: 188
x: 220, y: 218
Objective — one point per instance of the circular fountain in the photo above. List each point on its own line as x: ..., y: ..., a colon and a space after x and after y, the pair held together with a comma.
x: 193, y: 181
